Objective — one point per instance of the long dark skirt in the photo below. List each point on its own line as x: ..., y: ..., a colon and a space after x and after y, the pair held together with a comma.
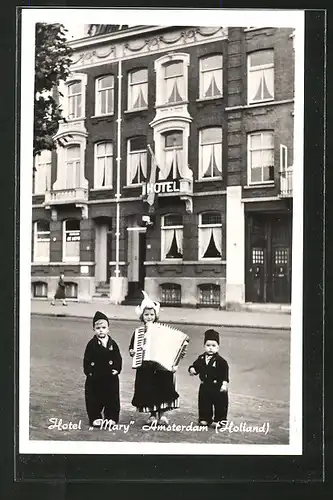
x: 60, y: 293
x: 154, y: 389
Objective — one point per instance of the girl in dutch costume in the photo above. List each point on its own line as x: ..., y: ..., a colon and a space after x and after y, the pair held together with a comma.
x: 154, y: 388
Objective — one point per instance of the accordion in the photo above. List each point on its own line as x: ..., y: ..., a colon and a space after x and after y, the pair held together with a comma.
x: 161, y: 344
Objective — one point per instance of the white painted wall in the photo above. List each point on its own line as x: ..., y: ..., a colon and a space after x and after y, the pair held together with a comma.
x: 235, y: 286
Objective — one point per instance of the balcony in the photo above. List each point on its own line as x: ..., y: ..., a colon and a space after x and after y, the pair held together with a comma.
x: 66, y: 196
x: 286, y: 183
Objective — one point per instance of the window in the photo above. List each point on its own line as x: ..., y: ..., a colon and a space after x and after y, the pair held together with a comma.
x: 71, y: 241
x: 173, y: 155
x: 171, y: 294
x: 70, y: 290
x: 73, y: 167
x: 260, y: 157
x: 210, y: 236
x: 136, y: 160
x: 104, y: 95
x: 209, y: 295
x: 210, y: 153
x: 138, y: 89
x: 260, y: 80
x: 172, y: 237
x: 103, y: 165
x: 42, y: 172
x: 211, y: 76
x: 42, y: 241
x: 39, y: 289
x: 75, y: 100
x: 174, y: 82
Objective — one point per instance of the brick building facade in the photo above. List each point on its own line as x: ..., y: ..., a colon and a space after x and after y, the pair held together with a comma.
x: 176, y: 176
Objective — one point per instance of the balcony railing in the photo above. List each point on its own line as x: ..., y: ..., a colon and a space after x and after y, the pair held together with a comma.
x: 66, y: 196
x: 286, y: 183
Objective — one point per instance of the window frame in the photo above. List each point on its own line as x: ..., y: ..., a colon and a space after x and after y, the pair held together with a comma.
x: 35, y: 239
x: 261, y: 67
x: 166, y: 149
x: 249, y: 166
x: 46, y: 174
x: 99, y: 91
x: 69, y: 96
x: 130, y: 86
x: 173, y: 227
x: 159, y: 65
x: 66, y: 258
x: 109, y: 186
x: 201, y: 72
x: 77, y: 162
x: 200, y: 155
x: 129, y: 153
x: 205, y: 226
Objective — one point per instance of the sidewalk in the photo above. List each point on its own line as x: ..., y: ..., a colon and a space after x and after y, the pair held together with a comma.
x: 174, y: 315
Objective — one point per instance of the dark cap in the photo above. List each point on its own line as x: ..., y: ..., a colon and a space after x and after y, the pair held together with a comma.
x: 98, y: 316
x: 212, y: 335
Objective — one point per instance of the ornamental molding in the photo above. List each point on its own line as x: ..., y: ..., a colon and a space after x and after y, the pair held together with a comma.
x: 111, y: 52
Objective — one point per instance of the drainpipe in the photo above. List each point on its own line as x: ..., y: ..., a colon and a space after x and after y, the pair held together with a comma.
x: 118, y: 194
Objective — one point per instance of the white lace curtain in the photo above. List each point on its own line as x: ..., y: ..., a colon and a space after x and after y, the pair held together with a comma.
x: 169, y: 235
x: 137, y: 166
x: 205, y: 237
x: 261, y: 84
x: 211, y: 160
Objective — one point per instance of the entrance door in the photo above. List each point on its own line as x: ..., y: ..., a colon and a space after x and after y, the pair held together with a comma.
x: 136, y: 258
x: 142, y: 258
x: 268, y: 258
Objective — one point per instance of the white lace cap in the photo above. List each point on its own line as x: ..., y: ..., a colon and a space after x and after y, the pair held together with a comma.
x: 147, y: 303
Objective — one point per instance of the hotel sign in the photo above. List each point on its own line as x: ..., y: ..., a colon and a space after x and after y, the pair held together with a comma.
x: 162, y: 187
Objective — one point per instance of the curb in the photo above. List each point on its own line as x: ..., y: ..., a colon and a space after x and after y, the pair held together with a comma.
x: 172, y: 322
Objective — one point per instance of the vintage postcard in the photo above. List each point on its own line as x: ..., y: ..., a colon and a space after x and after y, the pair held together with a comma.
x: 161, y: 232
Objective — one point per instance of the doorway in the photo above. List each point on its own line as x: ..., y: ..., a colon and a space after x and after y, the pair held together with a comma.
x: 103, y: 242
x: 136, y: 255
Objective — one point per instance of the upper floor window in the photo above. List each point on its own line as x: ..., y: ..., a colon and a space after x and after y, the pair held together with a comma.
x: 136, y: 160
x: 172, y: 79
x: 73, y: 161
x: 173, y: 155
x: 104, y: 95
x: 260, y: 157
x: 172, y: 237
x: 138, y: 89
x: 260, y: 79
x: 75, y: 100
x: 71, y: 240
x: 211, y: 76
x: 42, y: 172
x: 210, y: 152
x: 42, y: 241
x: 103, y: 165
x: 210, y: 235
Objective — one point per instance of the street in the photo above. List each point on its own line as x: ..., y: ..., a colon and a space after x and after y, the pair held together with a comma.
x: 258, y: 389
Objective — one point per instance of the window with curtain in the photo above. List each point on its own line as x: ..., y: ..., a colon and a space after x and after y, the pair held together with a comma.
x: 172, y: 165
x: 104, y: 95
x: 172, y: 237
x: 210, y: 152
x: 103, y: 165
x: 42, y: 241
x: 260, y: 78
x: 174, y: 82
x: 260, y: 157
x: 73, y: 160
x: 42, y: 172
x: 211, y: 76
x: 71, y: 241
x: 136, y: 160
x: 210, y: 236
x: 138, y: 89
x: 75, y: 100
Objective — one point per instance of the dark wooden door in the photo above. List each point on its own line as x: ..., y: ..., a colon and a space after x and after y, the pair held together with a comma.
x: 108, y: 254
x: 280, y: 269
x: 142, y: 258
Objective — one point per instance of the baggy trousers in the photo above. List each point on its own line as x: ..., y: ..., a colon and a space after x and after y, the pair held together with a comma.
x: 102, y: 394
x: 213, y: 403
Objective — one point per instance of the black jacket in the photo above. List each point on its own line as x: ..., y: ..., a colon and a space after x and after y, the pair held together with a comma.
x: 215, y: 372
x: 99, y: 361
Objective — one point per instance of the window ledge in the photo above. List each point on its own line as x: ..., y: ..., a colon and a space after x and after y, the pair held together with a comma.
x: 205, y: 99
x: 132, y: 186
x: 128, y: 111
x: 209, y: 179
x: 170, y: 104
x: 106, y: 115
x: 104, y: 188
x: 40, y: 263
x: 260, y: 185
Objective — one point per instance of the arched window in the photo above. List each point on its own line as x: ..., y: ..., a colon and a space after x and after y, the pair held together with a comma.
x: 172, y: 237
x: 210, y: 236
x: 103, y: 165
x: 211, y: 76
x: 71, y: 240
x: 172, y: 79
x: 138, y: 89
x: 171, y: 294
x: 41, y: 241
x: 260, y: 76
x: 210, y: 153
x: 104, y: 95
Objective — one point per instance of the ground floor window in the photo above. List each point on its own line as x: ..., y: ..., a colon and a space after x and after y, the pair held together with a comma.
x: 71, y: 290
x: 209, y: 295
x: 39, y: 289
x: 71, y: 241
x: 172, y: 237
x: 171, y: 294
x: 42, y: 241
